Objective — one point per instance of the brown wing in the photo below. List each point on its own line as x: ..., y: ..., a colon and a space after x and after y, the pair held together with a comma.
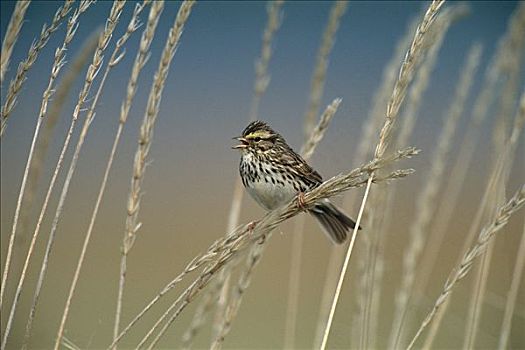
x: 294, y: 161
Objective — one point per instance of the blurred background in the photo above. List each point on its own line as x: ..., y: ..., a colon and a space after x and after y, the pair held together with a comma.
x: 189, y: 182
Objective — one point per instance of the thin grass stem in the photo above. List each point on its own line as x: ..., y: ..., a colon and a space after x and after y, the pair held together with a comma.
x: 90, y: 76
x: 412, y: 59
x: 139, y: 63
x: 16, y: 83
x: 116, y: 57
x: 512, y: 294
x: 262, y: 80
x: 478, y: 248
x: 58, y: 63
x: 255, y: 254
x: 224, y: 250
x: 11, y: 35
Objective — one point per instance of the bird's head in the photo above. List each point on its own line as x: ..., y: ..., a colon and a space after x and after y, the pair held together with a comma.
x: 257, y: 137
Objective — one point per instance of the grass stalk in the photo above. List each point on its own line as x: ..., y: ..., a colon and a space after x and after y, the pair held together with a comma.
x: 405, y: 77
x: 58, y: 63
x: 364, y: 149
x: 380, y: 202
x: 512, y: 294
x: 254, y: 256
x: 16, y: 83
x: 199, y: 317
x: 511, y: 67
x: 262, y: 80
x: 116, y: 57
x: 90, y: 76
x: 427, y: 198
x: 466, y: 151
x: 498, y: 175
x: 255, y: 253
x: 144, y: 144
x: 225, y: 249
x: 478, y: 248
x: 139, y: 63
x: 10, y: 102
x: 265, y: 227
x: 321, y: 65
x: 497, y: 196
x: 63, y: 91
x: 11, y: 35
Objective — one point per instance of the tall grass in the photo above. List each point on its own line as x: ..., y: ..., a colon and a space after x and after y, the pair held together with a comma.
x: 15, y: 24
x: 400, y: 260
x: 16, y: 83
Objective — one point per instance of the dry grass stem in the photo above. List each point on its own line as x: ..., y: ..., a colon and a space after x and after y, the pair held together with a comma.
x: 139, y: 63
x: 317, y: 133
x: 381, y: 205
x: 389, y: 265
x: 466, y: 151
x: 262, y: 80
x: 427, y: 198
x: 254, y: 256
x: 497, y: 178
x: 294, y: 284
x: 447, y: 205
x: 58, y: 63
x: 257, y: 249
x: 321, y: 65
x: 16, y: 83
x: 500, y: 140
x: 297, y: 241
x: 422, y: 80
x: 264, y: 233
x: 477, y: 249
x: 199, y: 318
x: 11, y: 35
x: 90, y: 76
x: 373, y: 122
x: 364, y: 151
x: 512, y: 294
x: 225, y: 249
x: 116, y: 57
x: 144, y: 143
x: 510, y: 66
x: 510, y: 70
x: 62, y: 92
x: 408, y: 67
x: 406, y: 71
x: 148, y: 123
x: 381, y: 202
x: 10, y: 101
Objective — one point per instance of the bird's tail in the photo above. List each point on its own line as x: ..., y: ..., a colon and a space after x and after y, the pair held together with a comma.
x: 332, y: 220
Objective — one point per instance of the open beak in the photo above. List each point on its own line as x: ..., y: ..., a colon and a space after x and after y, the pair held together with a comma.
x: 243, y: 144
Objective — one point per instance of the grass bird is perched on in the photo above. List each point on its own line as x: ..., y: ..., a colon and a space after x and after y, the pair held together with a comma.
x: 274, y: 174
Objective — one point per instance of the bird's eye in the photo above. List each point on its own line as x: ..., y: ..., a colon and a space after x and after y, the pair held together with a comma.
x: 256, y: 139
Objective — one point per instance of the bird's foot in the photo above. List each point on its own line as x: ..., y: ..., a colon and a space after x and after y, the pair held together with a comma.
x: 301, y: 201
x: 251, y: 227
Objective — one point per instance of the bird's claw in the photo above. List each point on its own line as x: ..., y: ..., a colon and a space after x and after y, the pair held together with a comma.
x: 301, y: 204
x: 251, y: 227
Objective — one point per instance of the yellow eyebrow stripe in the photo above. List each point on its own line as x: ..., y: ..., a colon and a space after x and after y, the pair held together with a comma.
x: 261, y: 134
